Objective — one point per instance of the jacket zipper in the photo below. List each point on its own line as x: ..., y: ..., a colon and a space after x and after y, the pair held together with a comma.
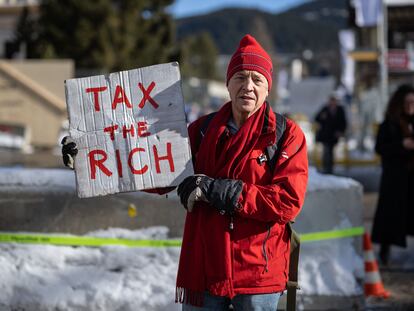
x: 264, y: 249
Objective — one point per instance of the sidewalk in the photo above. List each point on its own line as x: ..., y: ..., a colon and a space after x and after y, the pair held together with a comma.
x: 398, y: 278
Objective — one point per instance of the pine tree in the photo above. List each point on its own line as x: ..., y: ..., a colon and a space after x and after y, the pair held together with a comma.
x: 105, y: 35
x: 24, y: 35
x: 199, y: 56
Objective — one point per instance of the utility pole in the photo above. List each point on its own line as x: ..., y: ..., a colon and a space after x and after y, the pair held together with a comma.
x: 382, y: 33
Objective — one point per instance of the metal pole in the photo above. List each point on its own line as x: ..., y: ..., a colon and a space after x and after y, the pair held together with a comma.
x: 382, y: 32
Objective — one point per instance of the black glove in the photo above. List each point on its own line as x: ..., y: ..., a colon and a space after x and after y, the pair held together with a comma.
x: 223, y: 194
x: 69, y: 151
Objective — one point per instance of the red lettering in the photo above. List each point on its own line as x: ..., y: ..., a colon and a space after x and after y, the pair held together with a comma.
x: 167, y: 157
x: 95, y: 91
x: 98, y: 163
x: 133, y: 169
x: 118, y: 163
x: 142, y: 129
x: 126, y: 130
x: 146, y: 95
x: 120, y: 97
x: 111, y: 130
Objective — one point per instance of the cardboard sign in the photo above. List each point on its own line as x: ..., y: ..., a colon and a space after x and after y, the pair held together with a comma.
x: 130, y: 130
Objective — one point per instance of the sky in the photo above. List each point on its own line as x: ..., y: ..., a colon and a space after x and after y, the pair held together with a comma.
x: 184, y: 8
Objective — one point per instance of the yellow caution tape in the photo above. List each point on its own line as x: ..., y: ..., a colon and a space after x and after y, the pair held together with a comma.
x: 70, y: 240
x: 333, y: 234
x: 82, y: 240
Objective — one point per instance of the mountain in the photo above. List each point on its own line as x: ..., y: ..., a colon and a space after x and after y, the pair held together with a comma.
x: 313, y: 25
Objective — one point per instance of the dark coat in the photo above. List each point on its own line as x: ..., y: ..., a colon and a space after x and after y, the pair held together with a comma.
x: 394, y: 217
x: 330, y: 124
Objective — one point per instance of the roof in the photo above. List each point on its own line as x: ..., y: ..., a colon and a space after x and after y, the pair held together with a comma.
x: 42, y: 83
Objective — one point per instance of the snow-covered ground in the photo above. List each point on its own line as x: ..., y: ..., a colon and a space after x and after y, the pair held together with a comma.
x: 46, y: 277
x: 41, y: 179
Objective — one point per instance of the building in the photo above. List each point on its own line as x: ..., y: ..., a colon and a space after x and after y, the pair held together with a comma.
x: 384, y: 53
x: 32, y: 102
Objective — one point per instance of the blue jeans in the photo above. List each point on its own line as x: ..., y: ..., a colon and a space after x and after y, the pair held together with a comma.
x: 260, y: 302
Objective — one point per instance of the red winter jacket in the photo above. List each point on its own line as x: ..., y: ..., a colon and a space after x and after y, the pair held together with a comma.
x: 258, y: 247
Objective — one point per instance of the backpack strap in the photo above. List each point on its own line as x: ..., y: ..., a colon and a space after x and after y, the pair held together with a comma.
x: 292, y: 284
x: 206, y: 123
x: 203, y: 130
x: 272, y: 151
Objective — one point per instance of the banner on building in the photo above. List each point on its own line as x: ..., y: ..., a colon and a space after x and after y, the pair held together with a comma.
x: 130, y: 130
x: 368, y: 13
x: 347, y: 44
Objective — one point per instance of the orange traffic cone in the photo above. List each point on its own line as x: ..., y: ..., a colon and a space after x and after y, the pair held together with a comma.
x: 373, y: 285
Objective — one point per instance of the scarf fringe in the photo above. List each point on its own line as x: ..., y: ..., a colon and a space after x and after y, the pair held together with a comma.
x: 187, y: 296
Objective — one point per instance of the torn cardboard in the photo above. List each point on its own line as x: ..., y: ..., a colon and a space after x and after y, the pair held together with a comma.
x: 130, y: 130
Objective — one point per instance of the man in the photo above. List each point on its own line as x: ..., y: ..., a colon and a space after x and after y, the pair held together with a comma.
x: 235, y: 246
x: 332, y: 124
x: 236, y: 243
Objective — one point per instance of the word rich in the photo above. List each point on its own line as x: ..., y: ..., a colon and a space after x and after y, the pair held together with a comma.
x: 121, y: 98
x: 98, y: 157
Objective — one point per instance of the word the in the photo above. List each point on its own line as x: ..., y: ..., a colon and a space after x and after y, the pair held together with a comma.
x: 141, y: 130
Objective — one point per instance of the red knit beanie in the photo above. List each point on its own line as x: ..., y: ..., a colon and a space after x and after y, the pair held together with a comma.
x: 250, y: 56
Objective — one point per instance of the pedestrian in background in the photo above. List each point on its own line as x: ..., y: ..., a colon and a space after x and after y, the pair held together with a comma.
x: 394, y: 217
x: 332, y: 123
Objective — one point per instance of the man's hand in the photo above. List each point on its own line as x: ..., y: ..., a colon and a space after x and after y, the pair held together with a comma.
x: 190, y: 191
x: 69, y: 151
x: 223, y: 194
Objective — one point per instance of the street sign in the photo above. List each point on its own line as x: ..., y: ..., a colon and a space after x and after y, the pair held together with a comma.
x: 130, y: 130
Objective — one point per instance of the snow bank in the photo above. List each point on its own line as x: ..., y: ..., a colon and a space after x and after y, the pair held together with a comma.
x: 47, y: 179
x: 322, y: 274
x: 45, y: 277
x: 152, y: 233
x: 50, y: 180
x: 120, y: 278
x: 319, y: 181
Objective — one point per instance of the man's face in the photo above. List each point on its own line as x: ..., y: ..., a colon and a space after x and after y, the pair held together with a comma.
x: 248, y: 91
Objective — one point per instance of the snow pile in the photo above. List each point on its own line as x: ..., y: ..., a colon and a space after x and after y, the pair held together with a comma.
x: 22, y: 179
x: 65, y: 178
x: 319, y: 181
x: 331, y: 267
x: 44, y: 277
x: 319, y: 274
x: 154, y: 233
